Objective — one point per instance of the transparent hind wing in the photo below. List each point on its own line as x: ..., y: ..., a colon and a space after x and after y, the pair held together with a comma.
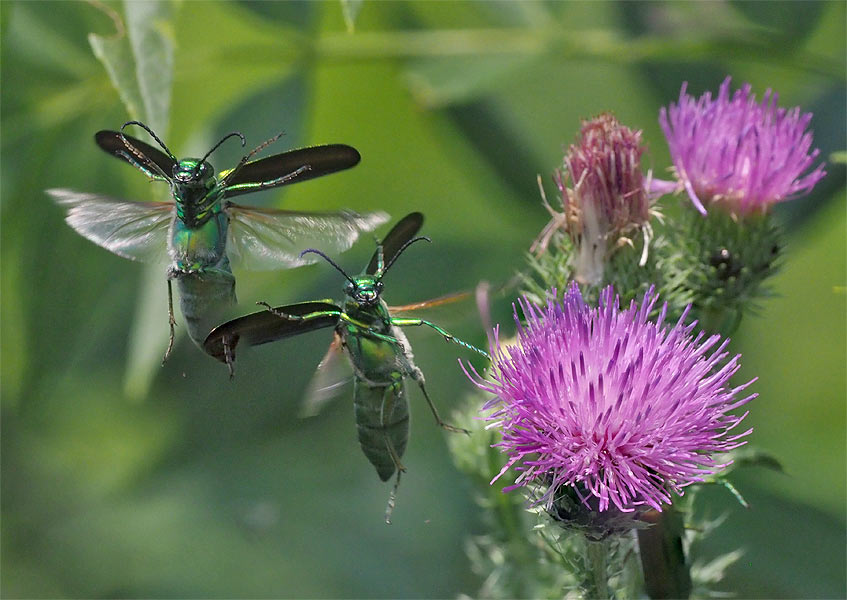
x: 329, y: 380
x: 133, y: 230
x: 268, y: 239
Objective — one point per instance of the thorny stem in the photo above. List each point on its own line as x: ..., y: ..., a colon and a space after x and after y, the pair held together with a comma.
x: 595, y: 583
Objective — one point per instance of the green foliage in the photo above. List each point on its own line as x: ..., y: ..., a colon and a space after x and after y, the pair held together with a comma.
x: 139, y: 58
x: 193, y: 486
x: 523, y: 551
x: 351, y: 10
x: 720, y: 265
x: 553, y: 269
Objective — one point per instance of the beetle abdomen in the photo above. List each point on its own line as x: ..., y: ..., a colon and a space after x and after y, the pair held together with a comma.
x: 204, y: 299
x: 382, y: 419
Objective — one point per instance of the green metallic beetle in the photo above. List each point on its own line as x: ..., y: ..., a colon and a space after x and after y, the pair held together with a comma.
x: 376, y: 346
x: 201, y: 230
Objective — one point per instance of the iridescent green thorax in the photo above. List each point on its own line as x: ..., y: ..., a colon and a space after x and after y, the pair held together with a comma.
x: 195, y: 192
x: 196, y: 248
x: 202, y: 272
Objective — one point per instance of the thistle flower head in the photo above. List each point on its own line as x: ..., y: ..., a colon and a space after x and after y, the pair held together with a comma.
x: 602, y: 193
x: 620, y: 409
x: 737, y: 153
x: 605, y: 166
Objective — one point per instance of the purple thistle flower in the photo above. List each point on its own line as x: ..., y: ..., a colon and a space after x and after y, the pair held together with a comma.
x: 622, y: 409
x: 739, y: 153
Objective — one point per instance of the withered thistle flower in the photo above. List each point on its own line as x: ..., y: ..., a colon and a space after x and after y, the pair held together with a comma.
x: 603, y: 195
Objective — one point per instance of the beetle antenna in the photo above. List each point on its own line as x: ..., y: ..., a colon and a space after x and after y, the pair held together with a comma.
x: 153, y: 135
x: 380, y: 258
x: 329, y: 260
x: 402, y: 248
x: 216, y: 146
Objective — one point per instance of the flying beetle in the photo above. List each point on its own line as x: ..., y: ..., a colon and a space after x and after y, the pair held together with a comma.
x: 374, y: 342
x: 201, y: 229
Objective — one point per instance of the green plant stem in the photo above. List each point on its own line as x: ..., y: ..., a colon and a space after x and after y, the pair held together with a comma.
x: 592, y: 44
x: 596, y: 44
x: 719, y: 320
x: 596, y: 581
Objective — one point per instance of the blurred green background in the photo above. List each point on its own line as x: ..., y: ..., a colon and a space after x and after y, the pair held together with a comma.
x: 121, y: 479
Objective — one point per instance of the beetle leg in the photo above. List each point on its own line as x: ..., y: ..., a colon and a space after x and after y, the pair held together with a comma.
x: 417, y: 375
x: 367, y: 330
x: 392, y: 497
x: 401, y: 322
x: 280, y: 180
x: 228, y: 357
x: 281, y: 314
x: 171, y: 322
x: 395, y: 457
x: 384, y: 337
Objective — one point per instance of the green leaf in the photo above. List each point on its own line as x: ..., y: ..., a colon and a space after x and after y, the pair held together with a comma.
x: 440, y: 82
x: 712, y: 572
x: 148, y: 337
x: 795, y: 20
x: 750, y: 456
x: 13, y: 334
x: 150, y: 28
x: 351, y: 9
x: 139, y: 59
x: 116, y: 55
x: 744, y: 457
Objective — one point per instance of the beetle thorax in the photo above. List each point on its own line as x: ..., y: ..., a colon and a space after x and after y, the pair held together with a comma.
x: 191, y: 186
